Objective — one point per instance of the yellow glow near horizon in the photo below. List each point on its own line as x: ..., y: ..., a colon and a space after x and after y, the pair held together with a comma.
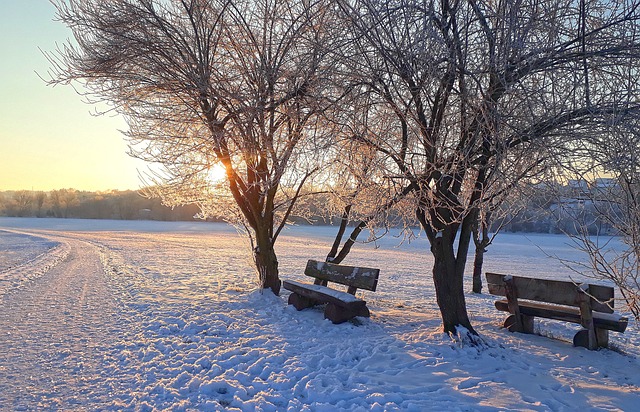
x: 48, y: 137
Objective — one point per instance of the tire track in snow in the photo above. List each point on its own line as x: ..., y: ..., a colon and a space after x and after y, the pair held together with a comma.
x: 58, y: 333
x: 32, y: 268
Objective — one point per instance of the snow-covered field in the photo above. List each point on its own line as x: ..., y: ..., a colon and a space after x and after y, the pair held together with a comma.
x: 112, y: 315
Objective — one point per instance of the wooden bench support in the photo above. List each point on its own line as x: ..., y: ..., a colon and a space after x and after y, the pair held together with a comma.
x: 583, y: 339
x: 602, y: 336
x: 340, y: 308
x: 586, y: 320
x: 567, y: 314
x: 338, y: 314
x: 300, y: 302
x: 526, y: 322
x: 517, y: 322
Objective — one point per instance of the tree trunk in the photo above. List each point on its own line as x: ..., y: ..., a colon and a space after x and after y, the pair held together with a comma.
x: 331, y: 257
x: 482, y: 240
x: 266, y: 264
x: 448, y: 283
x: 477, y: 267
x: 336, y: 256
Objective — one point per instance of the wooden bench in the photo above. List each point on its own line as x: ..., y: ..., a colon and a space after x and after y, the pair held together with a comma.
x: 588, y: 305
x: 341, y: 306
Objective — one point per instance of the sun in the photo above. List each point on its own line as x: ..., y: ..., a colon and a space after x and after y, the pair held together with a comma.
x: 217, y: 173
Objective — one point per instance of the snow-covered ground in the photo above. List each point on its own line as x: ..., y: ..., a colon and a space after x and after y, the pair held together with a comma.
x: 106, y: 315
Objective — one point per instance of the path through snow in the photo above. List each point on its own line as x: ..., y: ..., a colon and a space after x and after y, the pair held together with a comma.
x: 57, y: 333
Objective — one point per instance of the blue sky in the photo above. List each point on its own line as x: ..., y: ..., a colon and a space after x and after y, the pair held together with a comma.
x: 48, y: 137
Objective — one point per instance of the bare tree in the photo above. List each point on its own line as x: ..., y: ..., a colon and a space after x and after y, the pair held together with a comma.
x: 62, y: 201
x: 22, y: 203
x: 40, y: 198
x: 205, y: 82
x: 361, y: 193
x: 482, y: 94
x: 493, y: 215
x: 604, y: 211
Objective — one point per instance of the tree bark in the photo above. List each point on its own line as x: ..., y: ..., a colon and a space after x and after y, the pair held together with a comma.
x: 448, y: 283
x: 266, y: 263
x: 478, y: 260
x: 346, y: 248
x: 481, y: 240
x: 338, y: 239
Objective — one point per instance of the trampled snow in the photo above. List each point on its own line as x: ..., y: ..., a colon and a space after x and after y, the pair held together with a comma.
x: 105, y: 315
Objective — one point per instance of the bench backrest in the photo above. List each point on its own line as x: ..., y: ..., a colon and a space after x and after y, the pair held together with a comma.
x: 553, y: 291
x: 357, y: 277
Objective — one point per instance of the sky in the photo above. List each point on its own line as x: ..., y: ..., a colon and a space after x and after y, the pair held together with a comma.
x: 49, y: 138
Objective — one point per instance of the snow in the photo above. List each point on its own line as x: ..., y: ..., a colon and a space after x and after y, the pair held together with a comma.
x: 108, y: 315
x: 24, y: 257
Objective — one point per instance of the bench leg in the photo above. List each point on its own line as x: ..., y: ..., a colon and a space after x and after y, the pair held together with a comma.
x: 527, y: 324
x: 364, y: 312
x: 337, y: 314
x: 583, y: 339
x: 300, y: 302
x: 512, y: 325
x: 586, y: 337
x: 602, y: 336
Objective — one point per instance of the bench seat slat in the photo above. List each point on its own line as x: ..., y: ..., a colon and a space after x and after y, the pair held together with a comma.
x: 607, y: 321
x: 324, y: 294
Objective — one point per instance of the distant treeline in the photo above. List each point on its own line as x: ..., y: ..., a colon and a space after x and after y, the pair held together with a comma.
x: 71, y: 203
x: 540, y: 214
